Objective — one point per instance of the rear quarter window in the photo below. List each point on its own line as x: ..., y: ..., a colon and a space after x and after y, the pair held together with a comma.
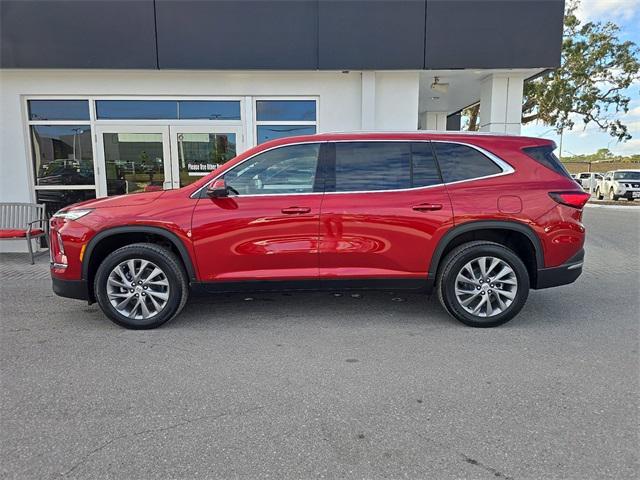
x: 462, y: 162
x: 544, y: 155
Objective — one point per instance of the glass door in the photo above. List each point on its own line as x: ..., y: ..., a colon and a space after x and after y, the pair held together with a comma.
x: 197, y: 150
x: 133, y: 159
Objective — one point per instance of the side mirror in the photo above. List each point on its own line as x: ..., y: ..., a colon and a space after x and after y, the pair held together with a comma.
x: 218, y: 189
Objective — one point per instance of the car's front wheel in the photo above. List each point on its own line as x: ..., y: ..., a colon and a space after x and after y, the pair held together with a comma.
x: 599, y: 195
x: 483, y: 284
x: 141, y: 286
x: 613, y: 196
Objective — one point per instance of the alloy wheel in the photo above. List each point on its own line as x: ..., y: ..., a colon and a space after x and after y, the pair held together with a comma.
x: 486, y: 286
x: 138, y: 289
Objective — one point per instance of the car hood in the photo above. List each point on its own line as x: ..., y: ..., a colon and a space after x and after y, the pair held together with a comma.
x: 133, y: 199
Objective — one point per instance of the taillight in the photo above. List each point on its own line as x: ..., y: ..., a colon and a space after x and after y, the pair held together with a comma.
x: 571, y: 199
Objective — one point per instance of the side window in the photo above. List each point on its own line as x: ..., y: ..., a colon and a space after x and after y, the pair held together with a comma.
x: 585, y: 175
x: 424, y: 168
x: 289, y: 169
x: 367, y: 166
x: 460, y: 162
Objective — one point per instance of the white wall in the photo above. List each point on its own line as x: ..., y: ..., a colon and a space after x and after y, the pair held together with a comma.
x: 340, y: 102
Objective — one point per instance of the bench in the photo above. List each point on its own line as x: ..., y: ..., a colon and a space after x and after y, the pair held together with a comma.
x: 23, y: 220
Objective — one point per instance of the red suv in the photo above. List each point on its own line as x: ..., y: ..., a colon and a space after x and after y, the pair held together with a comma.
x: 480, y: 218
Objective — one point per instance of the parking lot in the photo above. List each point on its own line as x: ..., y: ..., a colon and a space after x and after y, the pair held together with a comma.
x: 373, y: 385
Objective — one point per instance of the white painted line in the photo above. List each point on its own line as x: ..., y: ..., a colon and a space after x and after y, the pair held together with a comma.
x: 615, y: 207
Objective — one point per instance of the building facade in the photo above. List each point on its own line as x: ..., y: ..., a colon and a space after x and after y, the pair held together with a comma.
x: 113, y: 97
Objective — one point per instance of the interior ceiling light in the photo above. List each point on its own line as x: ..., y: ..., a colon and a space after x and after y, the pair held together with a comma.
x: 439, y: 87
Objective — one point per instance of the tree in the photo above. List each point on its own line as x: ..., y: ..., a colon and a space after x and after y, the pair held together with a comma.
x: 595, y: 69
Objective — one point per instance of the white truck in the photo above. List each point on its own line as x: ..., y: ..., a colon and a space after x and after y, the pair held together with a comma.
x: 618, y: 184
x: 588, y: 180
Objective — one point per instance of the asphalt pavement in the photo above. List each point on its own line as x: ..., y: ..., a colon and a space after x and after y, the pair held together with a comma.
x: 372, y: 385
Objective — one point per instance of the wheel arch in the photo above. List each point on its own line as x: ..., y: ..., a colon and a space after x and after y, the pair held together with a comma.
x: 132, y: 234
x: 485, y: 230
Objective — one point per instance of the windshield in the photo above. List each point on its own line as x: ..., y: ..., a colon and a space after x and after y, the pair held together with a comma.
x: 626, y: 176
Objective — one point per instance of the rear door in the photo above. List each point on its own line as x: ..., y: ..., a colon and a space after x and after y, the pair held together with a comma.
x: 384, y: 210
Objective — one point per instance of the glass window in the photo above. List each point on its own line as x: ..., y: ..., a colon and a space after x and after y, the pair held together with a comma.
x: 136, y: 109
x: 62, y: 154
x: 54, y: 200
x: 209, y: 110
x: 460, y: 162
x: 134, y: 162
x: 425, y: 171
x: 626, y: 175
x: 271, y: 132
x: 290, y: 169
x: 365, y: 166
x: 201, y: 153
x: 545, y: 156
x: 58, y: 110
x: 286, y: 110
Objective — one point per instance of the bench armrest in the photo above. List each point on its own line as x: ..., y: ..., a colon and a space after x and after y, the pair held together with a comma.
x: 40, y: 221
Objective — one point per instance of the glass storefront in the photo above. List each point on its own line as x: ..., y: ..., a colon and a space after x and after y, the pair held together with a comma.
x: 95, y: 147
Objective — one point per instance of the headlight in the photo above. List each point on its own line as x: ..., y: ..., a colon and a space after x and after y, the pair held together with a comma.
x: 72, y: 214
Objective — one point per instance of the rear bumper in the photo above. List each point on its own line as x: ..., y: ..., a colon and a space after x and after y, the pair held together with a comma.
x: 70, y: 288
x: 562, y: 275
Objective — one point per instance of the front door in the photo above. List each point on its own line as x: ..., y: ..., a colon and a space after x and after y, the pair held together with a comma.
x: 197, y: 150
x: 267, y: 228
x: 143, y: 158
x: 133, y: 159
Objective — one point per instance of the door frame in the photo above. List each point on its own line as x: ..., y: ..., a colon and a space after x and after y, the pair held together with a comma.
x: 177, y: 128
x: 101, y: 184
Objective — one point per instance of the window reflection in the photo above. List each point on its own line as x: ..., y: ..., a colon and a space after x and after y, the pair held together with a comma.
x: 289, y: 169
x: 210, y: 110
x: 201, y: 153
x: 286, y: 110
x: 54, y: 200
x: 168, y: 109
x: 58, y: 110
x: 134, y: 162
x: 364, y: 166
x: 271, y: 132
x: 62, y: 154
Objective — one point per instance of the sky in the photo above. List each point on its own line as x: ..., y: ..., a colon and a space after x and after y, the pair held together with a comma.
x: 626, y: 14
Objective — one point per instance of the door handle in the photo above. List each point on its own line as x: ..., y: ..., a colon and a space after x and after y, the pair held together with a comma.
x: 295, y: 210
x: 427, y: 207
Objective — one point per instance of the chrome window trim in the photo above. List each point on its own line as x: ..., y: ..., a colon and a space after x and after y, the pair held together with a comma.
x: 506, y: 168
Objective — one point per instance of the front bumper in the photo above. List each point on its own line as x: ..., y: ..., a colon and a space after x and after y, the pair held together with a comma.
x: 564, y: 274
x: 630, y: 194
x: 70, y: 288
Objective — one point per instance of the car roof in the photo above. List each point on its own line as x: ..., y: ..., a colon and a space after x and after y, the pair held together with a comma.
x: 418, y: 135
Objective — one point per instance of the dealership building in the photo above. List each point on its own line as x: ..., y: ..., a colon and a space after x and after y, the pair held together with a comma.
x: 107, y: 97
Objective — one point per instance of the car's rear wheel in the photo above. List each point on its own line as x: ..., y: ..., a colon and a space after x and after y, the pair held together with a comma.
x: 612, y: 195
x: 141, y: 286
x: 483, y: 284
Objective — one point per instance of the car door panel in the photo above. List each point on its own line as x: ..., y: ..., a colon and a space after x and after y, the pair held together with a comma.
x: 245, y: 238
x: 374, y: 223
x: 382, y: 234
x: 267, y: 228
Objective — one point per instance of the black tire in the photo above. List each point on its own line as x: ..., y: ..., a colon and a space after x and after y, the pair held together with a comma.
x: 599, y: 196
x: 613, y: 196
x: 453, y: 264
x: 170, y: 266
x: 631, y: 199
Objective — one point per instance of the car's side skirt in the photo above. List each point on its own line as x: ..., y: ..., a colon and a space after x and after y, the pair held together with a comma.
x: 417, y: 285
